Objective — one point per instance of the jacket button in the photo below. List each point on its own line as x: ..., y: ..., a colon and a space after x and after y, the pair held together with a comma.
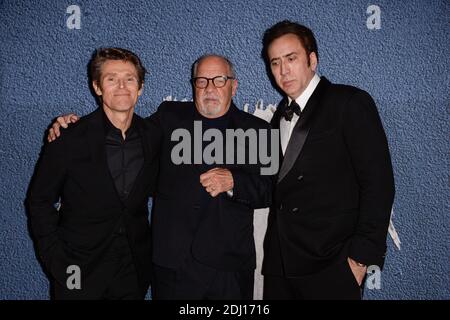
x: 300, y: 177
x: 295, y: 210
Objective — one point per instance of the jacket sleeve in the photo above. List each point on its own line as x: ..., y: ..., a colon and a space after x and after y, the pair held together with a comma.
x: 43, y: 194
x: 253, y: 184
x: 154, y: 137
x: 369, y: 153
x: 252, y: 189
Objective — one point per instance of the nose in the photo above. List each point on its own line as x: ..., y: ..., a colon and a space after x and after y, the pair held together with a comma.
x: 210, y: 86
x: 121, y: 83
x: 284, y: 69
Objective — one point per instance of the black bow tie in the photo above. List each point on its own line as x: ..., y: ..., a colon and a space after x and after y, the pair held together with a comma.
x: 290, y: 110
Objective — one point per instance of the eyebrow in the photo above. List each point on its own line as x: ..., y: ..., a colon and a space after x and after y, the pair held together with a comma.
x: 116, y: 73
x: 285, y: 56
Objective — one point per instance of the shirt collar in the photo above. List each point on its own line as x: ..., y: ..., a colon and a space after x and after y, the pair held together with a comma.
x: 306, y: 94
x: 110, y: 128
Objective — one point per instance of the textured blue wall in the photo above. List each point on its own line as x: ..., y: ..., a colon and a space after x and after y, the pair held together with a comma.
x: 404, y: 65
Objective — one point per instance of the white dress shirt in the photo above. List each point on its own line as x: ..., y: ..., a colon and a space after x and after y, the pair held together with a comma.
x: 286, y: 127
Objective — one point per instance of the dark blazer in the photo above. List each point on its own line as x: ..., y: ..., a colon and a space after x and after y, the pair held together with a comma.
x: 335, y: 186
x: 74, y: 168
x: 219, y: 235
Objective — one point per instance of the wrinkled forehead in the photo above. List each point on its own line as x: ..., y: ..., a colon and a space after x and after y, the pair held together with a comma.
x: 284, y: 45
x: 118, y: 66
x: 212, y: 66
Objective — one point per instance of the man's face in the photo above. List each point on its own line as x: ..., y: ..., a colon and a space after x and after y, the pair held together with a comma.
x: 212, y: 102
x: 289, y: 65
x: 119, y: 86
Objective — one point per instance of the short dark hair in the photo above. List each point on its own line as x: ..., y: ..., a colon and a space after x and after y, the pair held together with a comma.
x: 102, y: 55
x: 304, y: 34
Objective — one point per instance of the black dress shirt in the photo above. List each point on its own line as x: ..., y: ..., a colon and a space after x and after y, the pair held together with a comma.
x: 221, y: 123
x: 125, y: 157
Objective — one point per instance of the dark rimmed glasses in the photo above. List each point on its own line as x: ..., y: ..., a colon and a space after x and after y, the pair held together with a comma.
x: 202, y: 82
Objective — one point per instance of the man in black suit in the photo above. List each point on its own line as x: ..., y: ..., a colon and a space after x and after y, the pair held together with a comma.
x: 202, y: 216
x: 102, y: 170
x: 335, y: 187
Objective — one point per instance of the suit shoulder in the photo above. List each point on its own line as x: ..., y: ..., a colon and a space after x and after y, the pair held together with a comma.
x: 147, y: 124
x: 353, y: 101
x: 253, y: 121
x: 175, y: 106
x: 343, y: 90
x: 172, y: 111
x: 78, y: 129
x: 64, y: 145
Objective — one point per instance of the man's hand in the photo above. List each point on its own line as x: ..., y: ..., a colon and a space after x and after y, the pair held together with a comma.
x: 217, y: 180
x: 358, y: 271
x: 61, y: 121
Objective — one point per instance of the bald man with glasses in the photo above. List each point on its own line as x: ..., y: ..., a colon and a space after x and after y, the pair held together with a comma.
x: 203, y: 214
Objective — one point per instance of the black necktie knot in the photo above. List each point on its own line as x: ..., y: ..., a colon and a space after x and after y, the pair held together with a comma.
x: 290, y: 110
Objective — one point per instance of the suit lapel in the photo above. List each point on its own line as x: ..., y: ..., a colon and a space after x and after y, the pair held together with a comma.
x: 189, y: 124
x: 236, y: 122
x: 96, y: 140
x: 275, y: 124
x: 301, y: 130
x: 141, y: 181
x: 95, y: 137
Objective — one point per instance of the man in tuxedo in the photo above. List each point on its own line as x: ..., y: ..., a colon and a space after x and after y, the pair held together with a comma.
x: 202, y: 215
x: 335, y: 188
x: 102, y: 171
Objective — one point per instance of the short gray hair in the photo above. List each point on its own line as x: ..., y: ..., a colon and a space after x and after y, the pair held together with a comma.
x: 227, y: 61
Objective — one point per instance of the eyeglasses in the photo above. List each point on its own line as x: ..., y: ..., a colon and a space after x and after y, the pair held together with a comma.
x: 202, y: 82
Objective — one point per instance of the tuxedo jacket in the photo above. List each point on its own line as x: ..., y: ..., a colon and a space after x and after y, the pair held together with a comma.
x: 335, y: 187
x: 219, y: 232
x: 74, y: 169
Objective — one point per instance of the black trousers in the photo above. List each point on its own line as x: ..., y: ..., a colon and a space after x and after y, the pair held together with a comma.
x: 336, y: 282
x: 113, y: 278
x: 196, y: 281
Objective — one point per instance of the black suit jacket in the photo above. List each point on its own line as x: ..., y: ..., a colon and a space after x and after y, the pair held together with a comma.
x: 74, y: 168
x: 221, y: 234
x: 335, y: 187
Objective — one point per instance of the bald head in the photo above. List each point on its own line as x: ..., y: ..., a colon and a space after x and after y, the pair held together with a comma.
x: 214, y: 100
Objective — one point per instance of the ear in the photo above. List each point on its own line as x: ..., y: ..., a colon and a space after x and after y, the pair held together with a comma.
x: 141, y: 89
x: 97, y: 88
x: 313, y: 61
x: 234, y: 86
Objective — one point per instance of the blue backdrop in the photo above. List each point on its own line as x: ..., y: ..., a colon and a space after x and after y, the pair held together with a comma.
x: 404, y: 64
